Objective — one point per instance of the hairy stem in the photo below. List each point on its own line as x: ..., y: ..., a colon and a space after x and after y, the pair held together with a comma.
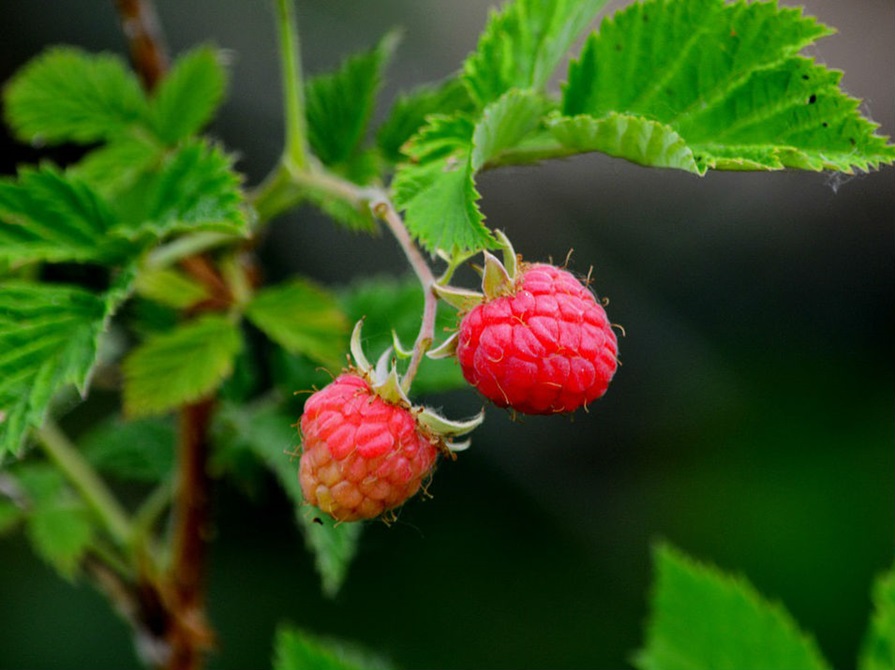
x: 141, y: 27
x: 87, y: 482
x: 293, y: 86
x: 384, y: 209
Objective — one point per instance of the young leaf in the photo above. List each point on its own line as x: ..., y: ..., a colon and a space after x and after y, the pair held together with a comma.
x: 171, y: 287
x: 522, y: 45
x: 723, y: 78
x: 339, y: 105
x: 303, y: 319
x: 188, y: 95
x: 48, y: 339
x: 297, y: 650
x: 66, y: 95
x: 181, y: 366
x: 703, y: 618
x: 141, y: 450
x: 409, y: 113
x: 436, y: 186
x: 48, y: 216
x: 196, y: 190
x: 878, y: 648
x: 272, y: 436
x: 118, y: 165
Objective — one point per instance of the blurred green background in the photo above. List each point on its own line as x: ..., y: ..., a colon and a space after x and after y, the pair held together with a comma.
x: 751, y: 423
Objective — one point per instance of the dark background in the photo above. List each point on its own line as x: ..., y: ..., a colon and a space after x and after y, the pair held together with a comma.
x: 751, y: 423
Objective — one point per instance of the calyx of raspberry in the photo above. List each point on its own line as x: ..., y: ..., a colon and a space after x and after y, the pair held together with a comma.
x: 385, y: 382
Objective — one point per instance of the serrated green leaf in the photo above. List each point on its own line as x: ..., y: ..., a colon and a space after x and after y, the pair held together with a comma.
x: 303, y: 319
x: 66, y: 95
x: 171, y: 287
x: 387, y: 304
x: 703, y: 618
x: 48, y: 339
x: 117, y: 166
x: 878, y: 647
x: 727, y: 79
x: 295, y: 649
x: 46, y: 215
x: 179, y: 367
x: 141, y: 450
x: 409, y: 112
x: 436, y: 186
x: 339, y: 105
x: 60, y: 532
x: 523, y: 43
x: 272, y: 436
x: 188, y: 96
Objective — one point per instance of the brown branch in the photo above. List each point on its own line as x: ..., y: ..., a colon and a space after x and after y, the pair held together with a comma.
x: 140, y: 25
x: 190, y: 635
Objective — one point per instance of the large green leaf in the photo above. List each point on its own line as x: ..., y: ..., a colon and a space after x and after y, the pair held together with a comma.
x: 303, y: 319
x: 48, y: 216
x: 724, y: 79
x: 436, y: 186
x: 703, y: 618
x: 48, y: 339
x: 878, y: 648
x: 179, y: 367
x: 187, y: 97
x: 66, y: 95
x: 523, y: 43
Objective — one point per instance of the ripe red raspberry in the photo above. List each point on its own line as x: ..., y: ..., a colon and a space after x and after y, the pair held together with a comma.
x: 544, y: 348
x: 361, y: 455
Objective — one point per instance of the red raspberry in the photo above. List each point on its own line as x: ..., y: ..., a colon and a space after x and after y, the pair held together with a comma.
x: 361, y: 455
x: 545, y: 348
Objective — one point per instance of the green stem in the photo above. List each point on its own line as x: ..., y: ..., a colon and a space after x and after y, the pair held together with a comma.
x: 85, y: 479
x: 293, y: 86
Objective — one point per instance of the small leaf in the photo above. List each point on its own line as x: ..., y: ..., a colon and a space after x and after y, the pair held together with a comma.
x: 303, y: 319
x: 179, y: 367
x: 703, y: 618
x: 118, y: 165
x: 49, y: 216
x: 141, y: 450
x: 523, y: 43
x: 339, y: 105
x: 170, y: 287
x: 66, y: 95
x: 878, y: 647
x: 48, y: 339
x: 11, y: 515
x: 272, y: 436
x: 726, y: 79
x: 297, y: 650
x: 410, y: 110
x: 187, y: 97
x: 436, y: 187
x: 504, y: 124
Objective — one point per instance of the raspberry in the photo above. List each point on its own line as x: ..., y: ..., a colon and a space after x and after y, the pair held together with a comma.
x: 544, y: 347
x: 361, y: 455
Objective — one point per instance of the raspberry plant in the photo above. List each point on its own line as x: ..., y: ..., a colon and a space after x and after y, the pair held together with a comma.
x: 133, y: 269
